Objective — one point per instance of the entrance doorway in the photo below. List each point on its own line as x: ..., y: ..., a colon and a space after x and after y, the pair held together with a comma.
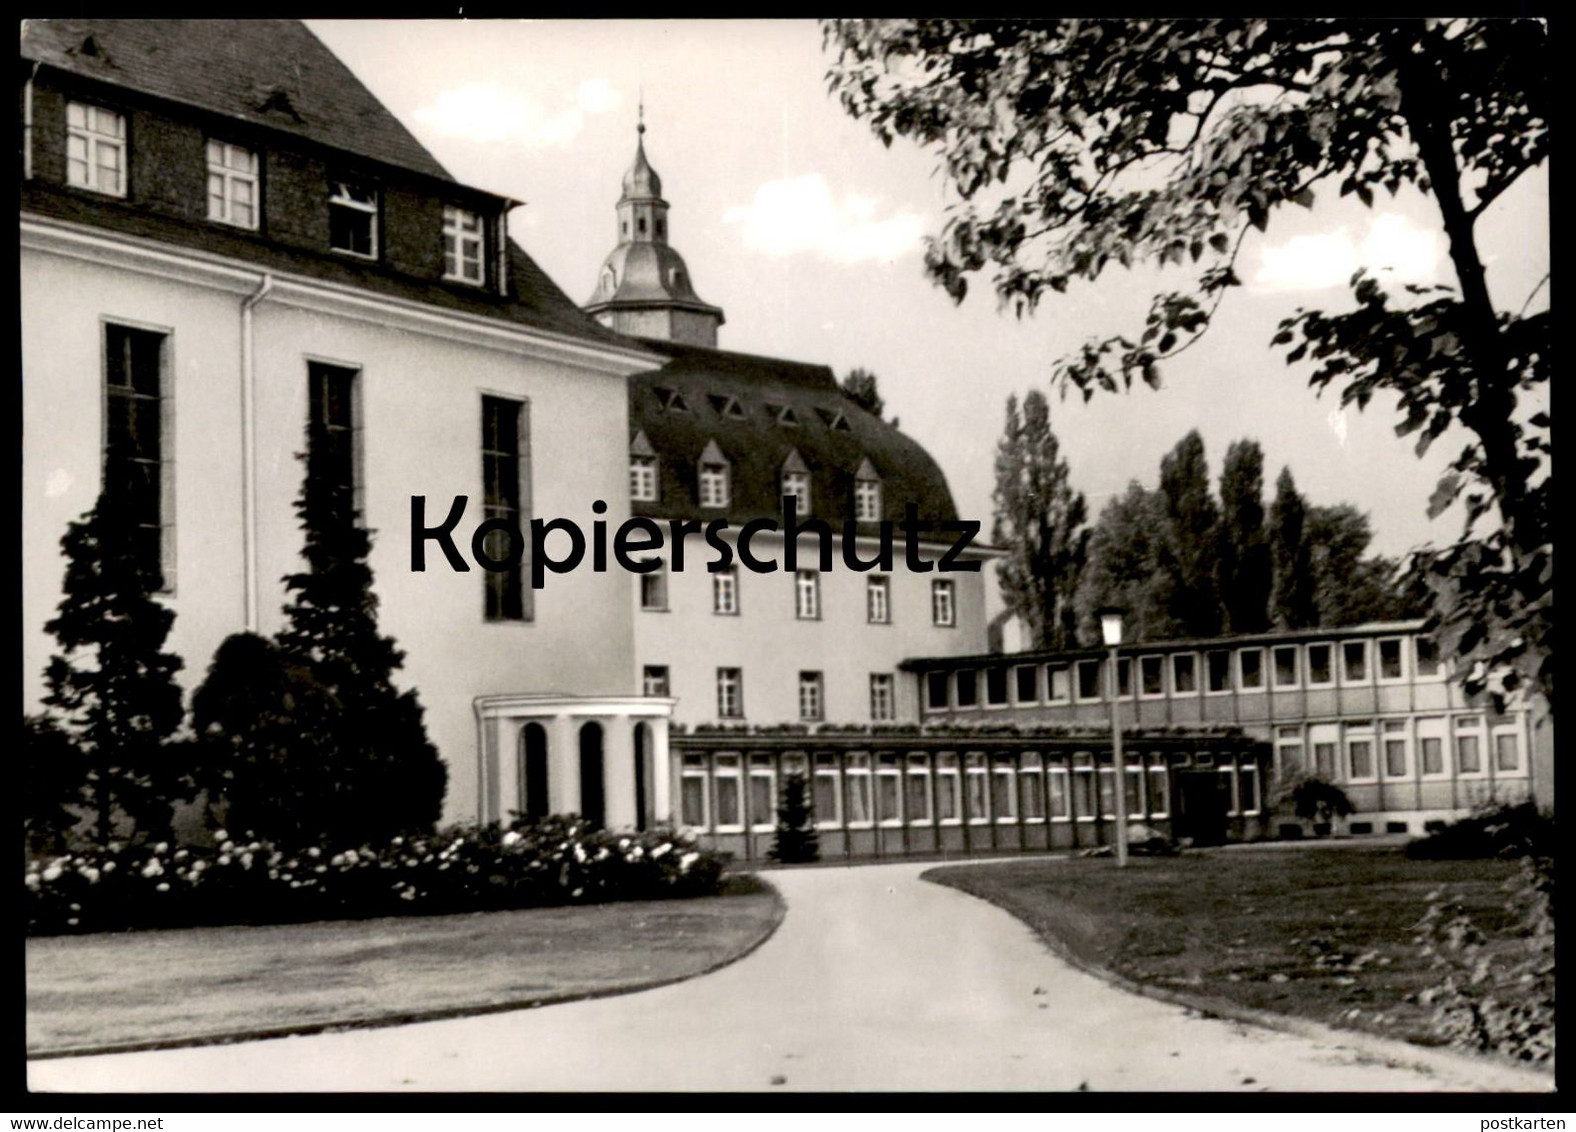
x: 533, y: 772
x: 593, y: 802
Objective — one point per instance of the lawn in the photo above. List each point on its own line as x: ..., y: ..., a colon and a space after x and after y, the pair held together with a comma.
x: 174, y: 987
x: 1324, y: 934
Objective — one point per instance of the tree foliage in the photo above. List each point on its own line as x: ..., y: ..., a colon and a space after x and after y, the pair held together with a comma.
x: 1040, y: 519
x: 1123, y: 569
x: 860, y: 386
x: 795, y: 839
x: 1292, y: 602
x: 1242, y: 565
x: 1188, y: 552
x: 263, y: 726
x: 111, y: 687
x: 1073, y: 145
x: 388, y: 777
x: 53, y: 776
x: 1349, y: 585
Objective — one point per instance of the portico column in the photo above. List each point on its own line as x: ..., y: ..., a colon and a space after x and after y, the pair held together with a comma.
x: 661, y: 772
x: 563, y: 765
x: 618, y: 771
x: 505, y: 789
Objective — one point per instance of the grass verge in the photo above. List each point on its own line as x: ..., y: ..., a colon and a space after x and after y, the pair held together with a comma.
x: 182, y: 987
x: 1324, y: 934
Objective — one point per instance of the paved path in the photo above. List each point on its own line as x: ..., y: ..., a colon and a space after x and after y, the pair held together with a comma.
x: 875, y: 981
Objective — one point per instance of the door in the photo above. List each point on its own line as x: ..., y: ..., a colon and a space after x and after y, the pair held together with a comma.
x: 1203, y: 799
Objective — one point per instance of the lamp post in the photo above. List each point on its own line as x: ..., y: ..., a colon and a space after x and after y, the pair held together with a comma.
x: 1111, y: 630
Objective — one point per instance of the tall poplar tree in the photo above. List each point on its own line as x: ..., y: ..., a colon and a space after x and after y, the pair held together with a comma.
x: 1292, y: 602
x: 1040, y: 519
x: 1123, y: 568
x: 1189, y: 548
x: 1242, y: 568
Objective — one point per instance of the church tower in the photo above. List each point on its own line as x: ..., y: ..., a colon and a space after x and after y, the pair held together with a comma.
x: 643, y: 287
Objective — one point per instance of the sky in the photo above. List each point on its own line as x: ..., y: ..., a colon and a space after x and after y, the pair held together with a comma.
x: 808, y: 232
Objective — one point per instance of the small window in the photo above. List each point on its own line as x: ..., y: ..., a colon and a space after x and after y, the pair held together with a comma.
x: 1360, y: 757
x: 135, y: 449
x: 797, y: 484
x: 916, y: 794
x: 878, y: 600
x: 1427, y: 656
x: 353, y: 218
x: 463, y: 239
x: 730, y: 693
x: 968, y: 688
x: 1251, y: 669
x: 1320, y: 667
x: 504, y: 460
x: 1507, y: 751
x: 95, y: 149
x: 942, y: 608
x: 714, y: 485
x: 882, y: 708
x: 807, y: 595
x: 1124, y: 677
x: 727, y: 407
x: 1088, y: 679
x: 1151, y: 680
x: 996, y: 686
x: 725, y: 592
x: 812, y: 704
x: 1469, y: 749
x: 1395, y: 754
x: 935, y: 690
x: 828, y: 792
x: 730, y: 794
x: 1184, y: 674
x: 1028, y: 680
x: 654, y: 590
x: 671, y: 400
x: 643, y: 479
x: 1390, y: 659
x: 1354, y: 662
x: 783, y: 414
x: 1058, y: 683
x: 654, y: 680
x: 693, y: 810
x: 867, y: 501
x: 232, y: 184
x: 1286, y: 666
x: 1219, y: 671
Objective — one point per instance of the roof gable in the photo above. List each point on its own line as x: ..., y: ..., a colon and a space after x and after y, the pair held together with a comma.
x: 272, y: 73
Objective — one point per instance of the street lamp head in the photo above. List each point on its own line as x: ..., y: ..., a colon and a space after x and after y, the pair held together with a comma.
x: 1111, y: 624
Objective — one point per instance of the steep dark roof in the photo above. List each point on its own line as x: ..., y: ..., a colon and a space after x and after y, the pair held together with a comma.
x: 756, y: 445
x: 534, y: 300
x: 273, y: 73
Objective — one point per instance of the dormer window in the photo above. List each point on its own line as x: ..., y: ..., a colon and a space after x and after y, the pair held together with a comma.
x: 834, y: 419
x: 727, y: 407
x: 796, y: 482
x: 462, y: 245
x: 642, y: 470
x: 714, y: 477
x: 232, y: 184
x: 671, y: 400
x: 353, y: 218
x: 867, y: 494
x: 783, y: 414
x: 95, y: 149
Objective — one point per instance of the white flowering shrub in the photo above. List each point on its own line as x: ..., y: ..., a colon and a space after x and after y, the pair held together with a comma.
x: 559, y: 860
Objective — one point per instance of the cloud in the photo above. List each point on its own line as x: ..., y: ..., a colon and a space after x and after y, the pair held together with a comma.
x: 800, y: 214
x: 486, y: 112
x: 1392, y: 245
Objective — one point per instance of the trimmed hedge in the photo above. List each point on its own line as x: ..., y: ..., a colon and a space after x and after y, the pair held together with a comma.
x: 560, y: 860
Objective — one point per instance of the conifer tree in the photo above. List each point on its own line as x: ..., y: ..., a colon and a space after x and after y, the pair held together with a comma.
x: 386, y: 776
x: 795, y: 840
x: 1040, y: 519
x: 111, y: 687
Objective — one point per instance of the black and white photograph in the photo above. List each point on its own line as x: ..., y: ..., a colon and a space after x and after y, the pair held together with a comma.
x: 787, y: 556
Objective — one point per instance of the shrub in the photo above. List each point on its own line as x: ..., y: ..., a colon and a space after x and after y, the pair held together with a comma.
x: 795, y: 839
x: 1492, y: 830
x: 1495, y: 999
x: 559, y: 860
x: 1313, y: 799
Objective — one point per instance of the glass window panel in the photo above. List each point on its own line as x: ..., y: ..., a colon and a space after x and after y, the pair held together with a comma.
x: 1058, y: 791
x: 918, y: 797
x: 1354, y: 661
x: 1032, y: 784
x: 1028, y: 683
x: 858, y: 798
x: 1083, y: 792
x: 1252, y: 663
x: 1183, y: 676
x: 1469, y: 758
x: 1390, y: 659
x: 1286, y: 666
x: 967, y: 688
x: 1004, y: 799
x: 1507, y: 753
x: 763, y: 799
x: 1361, y: 758
x: 694, y: 800
x: 996, y: 685
x: 1319, y: 664
x: 1395, y: 758
x: 1219, y: 671
x: 1433, y: 754
x: 728, y: 800
x: 1159, y: 792
x: 1058, y: 682
x: 1149, y: 675
x: 1247, y: 789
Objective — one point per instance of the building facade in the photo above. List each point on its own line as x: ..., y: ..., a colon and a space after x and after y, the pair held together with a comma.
x: 226, y: 239
x: 1369, y: 708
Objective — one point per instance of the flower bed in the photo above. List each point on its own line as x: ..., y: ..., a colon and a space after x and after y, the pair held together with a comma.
x: 463, y: 869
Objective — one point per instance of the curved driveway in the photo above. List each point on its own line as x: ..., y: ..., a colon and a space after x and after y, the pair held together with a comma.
x: 875, y: 981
